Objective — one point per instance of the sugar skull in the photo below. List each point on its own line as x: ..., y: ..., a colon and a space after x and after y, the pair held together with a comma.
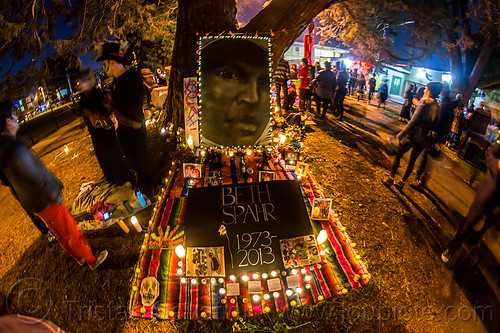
x: 150, y: 289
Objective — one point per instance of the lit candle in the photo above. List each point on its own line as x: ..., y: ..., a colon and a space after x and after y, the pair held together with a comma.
x: 136, y: 224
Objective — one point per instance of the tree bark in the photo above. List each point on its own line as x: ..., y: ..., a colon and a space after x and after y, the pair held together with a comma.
x: 194, y: 18
x: 490, y: 44
x: 287, y: 19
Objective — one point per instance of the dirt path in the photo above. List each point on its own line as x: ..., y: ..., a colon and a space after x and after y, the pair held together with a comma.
x: 398, y: 234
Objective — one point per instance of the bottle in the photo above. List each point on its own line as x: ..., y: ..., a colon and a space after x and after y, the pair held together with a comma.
x: 141, y: 199
x: 123, y: 226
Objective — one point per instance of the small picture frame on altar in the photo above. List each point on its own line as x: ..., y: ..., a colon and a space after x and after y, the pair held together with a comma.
x: 192, y: 170
x: 291, y: 159
x: 205, y: 261
x: 299, y: 251
x: 301, y: 169
x: 321, y: 209
x: 267, y: 176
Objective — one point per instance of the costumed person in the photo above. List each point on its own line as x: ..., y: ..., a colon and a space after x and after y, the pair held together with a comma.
x: 127, y: 95
x: 404, y: 115
x: 325, y: 87
x: 382, y: 93
x: 95, y: 109
x: 39, y: 191
x: 418, y: 134
x: 281, y: 74
x: 486, y: 203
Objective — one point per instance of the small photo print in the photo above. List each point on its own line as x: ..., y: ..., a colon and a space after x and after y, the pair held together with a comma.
x: 205, y: 261
x: 192, y: 170
x: 301, y: 169
x: 291, y: 159
x: 321, y: 209
x: 299, y: 251
x: 267, y: 176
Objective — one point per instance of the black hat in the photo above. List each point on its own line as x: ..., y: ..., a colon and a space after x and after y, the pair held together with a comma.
x: 435, y: 88
x: 111, y: 51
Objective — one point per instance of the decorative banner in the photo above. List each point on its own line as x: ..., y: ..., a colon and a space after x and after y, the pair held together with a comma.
x: 191, y: 110
x: 235, y: 104
x: 249, y: 220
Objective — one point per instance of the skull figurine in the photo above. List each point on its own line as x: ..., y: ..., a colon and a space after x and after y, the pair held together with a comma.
x: 150, y: 289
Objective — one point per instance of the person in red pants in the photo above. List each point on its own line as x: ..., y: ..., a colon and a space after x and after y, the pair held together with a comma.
x: 39, y: 191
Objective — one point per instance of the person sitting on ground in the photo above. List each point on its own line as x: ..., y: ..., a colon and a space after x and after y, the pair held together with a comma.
x: 39, y: 191
x: 418, y: 134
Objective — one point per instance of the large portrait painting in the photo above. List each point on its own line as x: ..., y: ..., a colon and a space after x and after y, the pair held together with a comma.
x: 235, y: 105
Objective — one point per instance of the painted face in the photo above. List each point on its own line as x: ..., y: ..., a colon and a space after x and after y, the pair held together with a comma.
x: 235, y: 99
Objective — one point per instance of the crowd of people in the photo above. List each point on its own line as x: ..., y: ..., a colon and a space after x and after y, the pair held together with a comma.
x: 432, y: 118
x: 327, y: 87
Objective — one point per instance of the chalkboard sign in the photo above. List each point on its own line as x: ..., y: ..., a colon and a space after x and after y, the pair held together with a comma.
x: 255, y: 217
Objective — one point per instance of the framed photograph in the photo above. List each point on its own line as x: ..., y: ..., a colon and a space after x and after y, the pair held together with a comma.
x: 192, y: 170
x: 228, y: 64
x: 299, y: 251
x: 321, y: 209
x: 205, y: 261
x: 291, y: 159
x: 266, y: 176
x: 301, y: 169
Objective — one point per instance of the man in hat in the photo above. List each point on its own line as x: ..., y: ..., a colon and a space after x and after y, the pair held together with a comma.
x: 39, y: 191
x: 127, y: 95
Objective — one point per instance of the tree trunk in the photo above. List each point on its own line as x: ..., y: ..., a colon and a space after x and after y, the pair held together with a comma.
x: 194, y: 18
x: 479, y: 66
x: 286, y: 18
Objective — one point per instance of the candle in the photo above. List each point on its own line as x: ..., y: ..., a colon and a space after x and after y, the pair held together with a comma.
x: 136, y: 224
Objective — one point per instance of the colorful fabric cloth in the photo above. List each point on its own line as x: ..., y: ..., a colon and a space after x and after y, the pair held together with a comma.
x: 204, y: 297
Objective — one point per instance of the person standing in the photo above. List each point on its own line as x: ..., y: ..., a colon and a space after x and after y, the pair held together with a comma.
x: 281, y: 75
x: 325, y: 87
x: 486, y: 200
x: 340, y: 92
x: 458, y: 121
x: 39, y: 191
x: 418, y: 134
x: 382, y: 93
x: 96, y: 112
x: 404, y: 115
x: 304, y: 91
x: 371, y: 88
x: 360, y: 86
x: 127, y: 95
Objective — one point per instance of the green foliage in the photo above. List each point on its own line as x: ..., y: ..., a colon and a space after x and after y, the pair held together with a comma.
x: 371, y: 27
x: 28, y: 32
